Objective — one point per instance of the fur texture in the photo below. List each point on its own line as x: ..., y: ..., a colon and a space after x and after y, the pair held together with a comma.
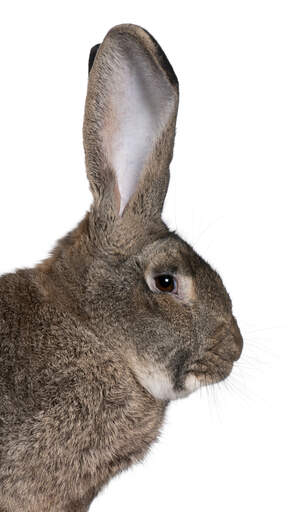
x: 91, y: 351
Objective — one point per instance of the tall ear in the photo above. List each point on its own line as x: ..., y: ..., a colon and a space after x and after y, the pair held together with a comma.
x: 129, y: 123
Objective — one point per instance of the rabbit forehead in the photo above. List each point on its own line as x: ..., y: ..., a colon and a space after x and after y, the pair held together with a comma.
x: 171, y: 254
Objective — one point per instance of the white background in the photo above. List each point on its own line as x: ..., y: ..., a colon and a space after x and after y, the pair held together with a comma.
x: 235, y: 195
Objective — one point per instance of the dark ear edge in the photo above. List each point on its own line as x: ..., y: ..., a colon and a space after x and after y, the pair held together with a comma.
x: 164, y: 62
x: 92, y: 55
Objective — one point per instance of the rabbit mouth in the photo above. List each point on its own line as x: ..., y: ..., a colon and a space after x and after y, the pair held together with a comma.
x: 211, y: 369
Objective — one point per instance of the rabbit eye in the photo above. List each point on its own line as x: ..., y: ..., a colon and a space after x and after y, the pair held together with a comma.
x: 165, y: 283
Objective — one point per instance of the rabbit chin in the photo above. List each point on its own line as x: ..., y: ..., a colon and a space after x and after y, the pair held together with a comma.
x: 159, y: 384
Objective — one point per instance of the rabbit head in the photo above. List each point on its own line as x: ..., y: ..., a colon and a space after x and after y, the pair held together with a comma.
x: 165, y: 309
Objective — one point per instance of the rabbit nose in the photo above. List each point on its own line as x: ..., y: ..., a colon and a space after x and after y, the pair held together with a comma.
x: 237, y: 339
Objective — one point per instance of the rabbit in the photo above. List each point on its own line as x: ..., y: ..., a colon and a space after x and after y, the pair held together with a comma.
x: 122, y: 317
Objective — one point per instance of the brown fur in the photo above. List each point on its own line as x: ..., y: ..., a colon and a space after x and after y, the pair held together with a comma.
x: 79, y: 332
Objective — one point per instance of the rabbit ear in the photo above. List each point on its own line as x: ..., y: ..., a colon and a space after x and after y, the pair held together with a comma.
x: 92, y: 55
x: 129, y: 123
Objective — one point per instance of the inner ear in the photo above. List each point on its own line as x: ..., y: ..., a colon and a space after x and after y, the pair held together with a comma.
x: 140, y: 106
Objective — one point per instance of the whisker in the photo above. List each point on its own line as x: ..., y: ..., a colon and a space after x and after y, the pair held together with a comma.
x: 211, y: 224
x: 261, y: 329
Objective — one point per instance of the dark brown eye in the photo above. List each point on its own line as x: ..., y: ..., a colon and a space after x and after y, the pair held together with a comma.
x: 165, y: 283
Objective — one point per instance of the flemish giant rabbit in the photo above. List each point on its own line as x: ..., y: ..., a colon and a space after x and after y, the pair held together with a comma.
x: 122, y: 317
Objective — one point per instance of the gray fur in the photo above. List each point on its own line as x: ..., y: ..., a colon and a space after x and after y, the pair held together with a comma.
x: 81, y: 333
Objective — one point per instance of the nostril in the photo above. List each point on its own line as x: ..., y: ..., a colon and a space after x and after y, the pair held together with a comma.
x: 239, y: 343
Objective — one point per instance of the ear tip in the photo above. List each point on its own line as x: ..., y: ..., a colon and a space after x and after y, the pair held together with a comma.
x: 142, y: 35
x: 166, y: 65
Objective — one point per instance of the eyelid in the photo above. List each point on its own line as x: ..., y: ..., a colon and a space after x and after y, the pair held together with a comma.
x: 176, y: 288
x: 150, y: 280
x: 185, y: 287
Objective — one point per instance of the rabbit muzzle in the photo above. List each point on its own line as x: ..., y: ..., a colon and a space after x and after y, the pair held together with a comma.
x: 221, y: 350
x: 210, y: 362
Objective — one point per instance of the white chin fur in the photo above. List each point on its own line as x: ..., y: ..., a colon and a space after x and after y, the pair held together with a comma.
x: 192, y: 383
x: 159, y: 384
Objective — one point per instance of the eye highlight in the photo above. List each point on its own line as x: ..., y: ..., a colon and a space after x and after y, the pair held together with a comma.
x: 165, y: 283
